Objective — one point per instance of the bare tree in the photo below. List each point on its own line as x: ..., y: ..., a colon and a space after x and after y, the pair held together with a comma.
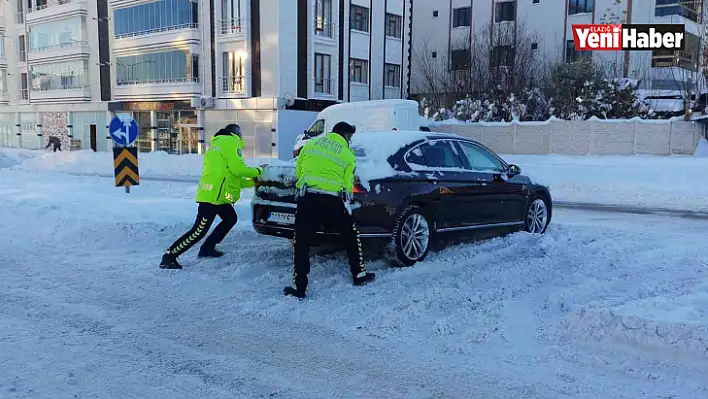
x: 510, y: 58
x: 432, y: 76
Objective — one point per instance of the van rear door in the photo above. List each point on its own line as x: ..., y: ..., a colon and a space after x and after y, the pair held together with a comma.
x: 403, y: 119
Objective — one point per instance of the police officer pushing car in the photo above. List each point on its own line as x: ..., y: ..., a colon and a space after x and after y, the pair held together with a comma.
x: 325, y: 182
x: 224, y: 174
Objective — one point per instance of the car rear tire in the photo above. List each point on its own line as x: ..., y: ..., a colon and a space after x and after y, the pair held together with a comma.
x: 537, y: 215
x: 411, y: 239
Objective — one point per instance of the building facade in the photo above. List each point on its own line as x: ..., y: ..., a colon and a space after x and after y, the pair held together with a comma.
x: 49, y: 73
x: 184, y: 68
x: 444, y: 32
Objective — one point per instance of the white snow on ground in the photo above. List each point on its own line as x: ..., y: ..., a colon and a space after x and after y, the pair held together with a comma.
x: 675, y: 182
x: 654, y: 181
x: 702, y: 148
x: 86, y: 312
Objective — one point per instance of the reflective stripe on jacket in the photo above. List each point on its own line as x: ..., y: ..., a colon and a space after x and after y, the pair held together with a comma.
x: 224, y: 173
x: 326, y: 163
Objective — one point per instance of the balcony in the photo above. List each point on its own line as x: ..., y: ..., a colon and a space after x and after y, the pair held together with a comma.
x: 4, y: 97
x: 67, y: 93
x: 325, y: 32
x: 161, y: 89
x: 77, y: 49
x: 3, y: 60
x: 154, y: 39
x: 232, y: 29
x: 233, y: 86
x: 55, y: 9
x: 23, y: 96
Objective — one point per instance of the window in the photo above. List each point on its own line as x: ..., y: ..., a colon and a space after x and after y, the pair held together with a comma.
x: 38, y: 5
x: 323, y: 73
x: 57, y: 34
x: 359, y: 70
x: 2, y: 45
x: 393, y: 25
x: 21, y: 48
x: 690, y: 9
x: 481, y: 159
x: 156, y: 16
x: 502, y: 56
x: 160, y: 67
x: 392, y: 75
x: 535, y: 2
x: 232, y: 73
x: 435, y: 14
x: 460, y: 60
x: 323, y: 18
x: 60, y: 76
x: 534, y: 46
x: 580, y: 6
x: 573, y: 55
x: 435, y: 54
x: 231, y: 17
x: 461, y: 17
x: 3, y: 81
x: 505, y: 11
x: 359, y: 18
x: 669, y: 59
x: 316, y: 129
x: 434, y: 154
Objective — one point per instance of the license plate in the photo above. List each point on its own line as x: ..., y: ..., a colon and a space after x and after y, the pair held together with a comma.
x: 281, y: 218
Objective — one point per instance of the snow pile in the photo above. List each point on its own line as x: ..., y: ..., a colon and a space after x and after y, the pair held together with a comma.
x: 702, y: 148
x: 280, y: 173
x: 678, y: 323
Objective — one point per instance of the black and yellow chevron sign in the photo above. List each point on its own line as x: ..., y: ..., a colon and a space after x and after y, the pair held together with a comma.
x: 125, y: 165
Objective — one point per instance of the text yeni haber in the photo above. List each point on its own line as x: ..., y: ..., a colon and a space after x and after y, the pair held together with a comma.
x: 616, y: 37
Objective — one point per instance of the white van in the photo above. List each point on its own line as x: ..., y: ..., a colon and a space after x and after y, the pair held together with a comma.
x: 375, y: 115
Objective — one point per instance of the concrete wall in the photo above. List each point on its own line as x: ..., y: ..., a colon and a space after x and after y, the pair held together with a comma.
x: 592, y: 137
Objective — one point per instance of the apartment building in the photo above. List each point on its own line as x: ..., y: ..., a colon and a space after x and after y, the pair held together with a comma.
x: 445, y: 30
x: 184, y: 68
x: 50, y: 78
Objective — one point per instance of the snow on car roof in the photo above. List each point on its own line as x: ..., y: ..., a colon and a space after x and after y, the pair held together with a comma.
x: 375, y: 147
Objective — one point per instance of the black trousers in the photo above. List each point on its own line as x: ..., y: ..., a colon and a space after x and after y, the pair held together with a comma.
x: 314, y: 210
x: 206, y: 214
x: 56, y: 146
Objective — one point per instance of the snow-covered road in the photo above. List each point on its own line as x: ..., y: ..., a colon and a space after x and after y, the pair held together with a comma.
x: 604, y: 305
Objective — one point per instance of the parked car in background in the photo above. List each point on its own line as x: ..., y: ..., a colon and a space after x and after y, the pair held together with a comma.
x: 367, y: 116
x: 414, y: 187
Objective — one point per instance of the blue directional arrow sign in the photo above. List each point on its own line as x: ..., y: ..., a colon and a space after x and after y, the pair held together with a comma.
x: 123, y: 130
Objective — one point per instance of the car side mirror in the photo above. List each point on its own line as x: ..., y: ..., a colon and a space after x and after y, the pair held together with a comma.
x: 514, y: 170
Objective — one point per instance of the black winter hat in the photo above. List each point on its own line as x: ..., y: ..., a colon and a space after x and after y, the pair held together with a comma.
x: 233, y: 128
x: 344, y: 129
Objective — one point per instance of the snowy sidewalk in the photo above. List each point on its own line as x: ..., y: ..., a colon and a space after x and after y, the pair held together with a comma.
x: 664, y: 183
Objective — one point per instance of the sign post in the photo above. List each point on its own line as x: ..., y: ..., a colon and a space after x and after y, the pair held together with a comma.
x: 124, y: 132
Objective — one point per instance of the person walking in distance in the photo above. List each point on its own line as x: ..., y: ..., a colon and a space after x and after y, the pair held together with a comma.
x: 54, y: 141
x: 224, y: 174
x: 325, y: 182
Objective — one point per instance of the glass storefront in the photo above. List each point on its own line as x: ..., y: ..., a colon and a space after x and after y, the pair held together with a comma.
x: 177, y: 131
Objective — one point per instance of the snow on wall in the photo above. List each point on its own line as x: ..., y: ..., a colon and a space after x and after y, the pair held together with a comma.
x: 591, y: 137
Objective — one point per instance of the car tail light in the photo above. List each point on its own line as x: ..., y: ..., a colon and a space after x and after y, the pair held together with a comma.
x: 296, y: 153
x: 359, y: 189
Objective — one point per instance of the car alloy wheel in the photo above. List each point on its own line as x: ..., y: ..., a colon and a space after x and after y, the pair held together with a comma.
x: 412, y: 237
x: 415, y: 236
x: 537, y: 216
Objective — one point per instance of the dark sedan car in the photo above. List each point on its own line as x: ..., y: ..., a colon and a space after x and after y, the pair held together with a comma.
x: 415, y: 187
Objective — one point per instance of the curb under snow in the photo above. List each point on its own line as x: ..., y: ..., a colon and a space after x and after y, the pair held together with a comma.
x: 598, y: 323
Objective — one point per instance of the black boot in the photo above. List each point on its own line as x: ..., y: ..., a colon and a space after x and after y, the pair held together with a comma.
x: 364, y: 278
x: 209, y: 253
x: 169, y: 261
x: 290, y: 291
